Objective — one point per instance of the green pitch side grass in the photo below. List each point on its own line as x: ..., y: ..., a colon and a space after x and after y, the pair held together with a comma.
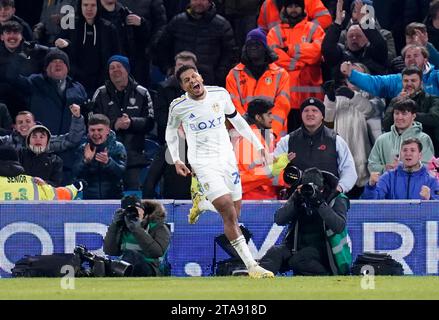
x: 222, y: 288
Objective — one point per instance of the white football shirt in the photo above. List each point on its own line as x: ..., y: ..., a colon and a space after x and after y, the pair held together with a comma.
x: 203, y: 122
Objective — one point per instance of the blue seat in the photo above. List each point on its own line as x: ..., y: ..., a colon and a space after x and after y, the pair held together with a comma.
x: 151, y: 149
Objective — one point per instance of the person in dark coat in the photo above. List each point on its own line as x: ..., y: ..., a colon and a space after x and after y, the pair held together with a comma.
x: 129, y: 108
x: 208, y: 35
x: 5, y: 121
x: 305, y: 249
x: 26, y: 120
x: 49, y: 96
x: 141, y: 240
x: 37, y: 161
x: 89, y: 45
x: 7, y: 13
x: 145, y: 22
x: 366, y: 46
x: 101, y: 161
x: 13, y: 52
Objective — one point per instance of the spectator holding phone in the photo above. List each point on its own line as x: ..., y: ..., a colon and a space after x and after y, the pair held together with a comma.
x: 101, y: 161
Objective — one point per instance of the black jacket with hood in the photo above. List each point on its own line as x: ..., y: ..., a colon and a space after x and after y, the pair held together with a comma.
x: 47, y: 166
x: 209, y: 37
x: 136, y: 102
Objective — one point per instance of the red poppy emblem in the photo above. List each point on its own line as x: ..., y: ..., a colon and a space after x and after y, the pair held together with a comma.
x: 322, y: 147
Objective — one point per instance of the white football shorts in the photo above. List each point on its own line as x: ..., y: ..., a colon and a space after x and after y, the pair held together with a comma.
x: 219, y: 180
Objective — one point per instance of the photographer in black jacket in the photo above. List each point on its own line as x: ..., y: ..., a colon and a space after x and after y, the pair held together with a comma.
x: 314, y: 210
x: 139, y: 235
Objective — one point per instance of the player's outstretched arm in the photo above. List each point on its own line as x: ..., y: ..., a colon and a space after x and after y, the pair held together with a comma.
x: 244, y: 130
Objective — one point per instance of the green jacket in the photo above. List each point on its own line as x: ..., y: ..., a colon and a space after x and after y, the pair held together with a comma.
x: 427, y: 114
x: 388, y: 144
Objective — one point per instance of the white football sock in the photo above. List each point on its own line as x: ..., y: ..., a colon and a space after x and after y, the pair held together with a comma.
x: 244, y: 252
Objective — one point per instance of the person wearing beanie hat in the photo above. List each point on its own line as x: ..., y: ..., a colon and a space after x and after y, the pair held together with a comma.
x: 122, y: 60
x: 298, y: 3
x: 269, y: 14
x: 313, y: 102
x: 297, y: 42
x: 56, y: 54
x: 258, y: 75
x: 257, y: 35
x: 129, y: 107
x: 37, y: 161
x: 41, y: 144
x: 15, y: 184
x: 293, y: 12
x: 315, y: 145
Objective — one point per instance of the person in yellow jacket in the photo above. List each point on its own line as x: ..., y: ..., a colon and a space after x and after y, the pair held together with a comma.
x: 269, y: 15
x: 257, y: 76
x: 259, y: 182
x: 298, y: 42
x: 14, y: 185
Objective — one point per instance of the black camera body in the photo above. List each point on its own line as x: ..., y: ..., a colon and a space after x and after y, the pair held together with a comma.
x: 129, y: 204
x: 101, y: 266
x: 312, y: 181
x: 309, y: 191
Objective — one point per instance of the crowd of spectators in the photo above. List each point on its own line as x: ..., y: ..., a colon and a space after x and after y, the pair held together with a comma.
x: 336, y: 84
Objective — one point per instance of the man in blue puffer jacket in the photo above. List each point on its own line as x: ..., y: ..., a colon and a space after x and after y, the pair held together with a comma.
x: 389, y: 86
x: 410, y: 180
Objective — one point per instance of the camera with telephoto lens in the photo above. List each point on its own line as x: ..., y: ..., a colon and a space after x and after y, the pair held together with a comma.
x: 129, y: 204
x: 101, y: 266
x: 309, y: 190
x: 310, y: 182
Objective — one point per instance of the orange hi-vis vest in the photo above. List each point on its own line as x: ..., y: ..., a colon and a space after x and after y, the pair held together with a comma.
x: 299, y: 51
x: 315, y: 10
x: 258, y: 183
x: 273, y: 85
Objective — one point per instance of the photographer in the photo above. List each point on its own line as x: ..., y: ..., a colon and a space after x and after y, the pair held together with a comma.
x: 315, y: 213
x: 139, y: 235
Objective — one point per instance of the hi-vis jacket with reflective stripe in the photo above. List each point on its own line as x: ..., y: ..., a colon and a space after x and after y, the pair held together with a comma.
x: 315, y: 10
x: 273, y: 85
x: 258, y: 182
x: 299, y: 51
x: 23, y: 187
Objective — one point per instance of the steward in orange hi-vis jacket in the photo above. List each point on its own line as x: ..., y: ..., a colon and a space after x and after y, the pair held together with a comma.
x: 258, y: 77
x: 269, y: 14
x: 259, y: 182
x: 298, y: 42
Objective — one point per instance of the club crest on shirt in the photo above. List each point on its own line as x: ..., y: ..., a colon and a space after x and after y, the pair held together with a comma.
x: 206, y: 186
x: 268, y: 80
x: 132, y: 101
x: 216, y: 107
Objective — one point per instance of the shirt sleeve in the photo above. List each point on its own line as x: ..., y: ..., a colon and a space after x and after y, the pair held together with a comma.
x: 240, y: 124
x: 282, y: 146
x: 346, y: 165
x: 171, y: 135
x: 244, y: 130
